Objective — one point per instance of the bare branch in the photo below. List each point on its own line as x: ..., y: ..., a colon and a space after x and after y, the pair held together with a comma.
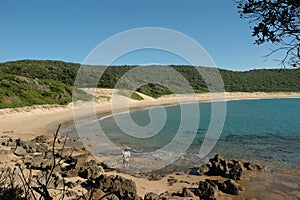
x: 276, y: 22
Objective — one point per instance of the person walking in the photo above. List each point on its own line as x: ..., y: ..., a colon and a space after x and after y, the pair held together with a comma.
x: 126, y: 155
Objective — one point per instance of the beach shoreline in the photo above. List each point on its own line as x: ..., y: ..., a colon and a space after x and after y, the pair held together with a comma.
x: 27, y: 122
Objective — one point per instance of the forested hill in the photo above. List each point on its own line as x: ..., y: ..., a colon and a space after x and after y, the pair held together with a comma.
x: 30, y: 82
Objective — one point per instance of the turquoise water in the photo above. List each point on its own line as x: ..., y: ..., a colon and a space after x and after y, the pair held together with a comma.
x: 266, y: 131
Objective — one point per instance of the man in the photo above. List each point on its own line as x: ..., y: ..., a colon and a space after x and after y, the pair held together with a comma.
x: 126, y: 155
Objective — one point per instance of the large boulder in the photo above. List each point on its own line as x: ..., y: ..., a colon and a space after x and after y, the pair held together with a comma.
x: 124, y: 189
x: 73, y: 164
x: 29, y: 146
x: 236, y: 172
x: 216, y: 184
x: 218, y: 166
x: 203, y: 169
x: 187, y: 192
x: 232, y: 187
x: 90, y: 170
x: 151, y: 196
x: 20, y: 151
x: 206, y: 191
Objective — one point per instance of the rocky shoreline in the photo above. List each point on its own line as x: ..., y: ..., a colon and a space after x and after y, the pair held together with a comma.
x: 47, y: 167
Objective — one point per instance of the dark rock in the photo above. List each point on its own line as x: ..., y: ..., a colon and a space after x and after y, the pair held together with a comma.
x: 218, y: 166
x: 165, y: 196
x: 58, y: 181
x: 232, y: 187
x: 206, y: 191
x: 236, y: 172
x: 42, y: 165
x: 187, y: 192
x: 153, y: 176
x: 232, y: 162
x: 70, y: 184
x: 172, y: 180
x: 73, y: 164
x: 70, y: 193
x: 252, y: 166
x: 218, y: 185
x: 42, y: 148
x: 183, y: 181
x: 20, y: 151
x: 110, y: 197
x: 236, y: 169
x: 203, y: 169
x: 29, y: 146
x: 232, y: 168
x: 7, y: 141
x: 124, y: 189
x: 90, y: 170
x: 41, y: 139
x: 27, y: 160
x: 67, y: 153
x: 48, y: 154
x: 38, y: 162
x: 151, y: 196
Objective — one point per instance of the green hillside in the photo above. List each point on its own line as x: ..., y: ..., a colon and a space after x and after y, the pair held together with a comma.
x: 31, y: 82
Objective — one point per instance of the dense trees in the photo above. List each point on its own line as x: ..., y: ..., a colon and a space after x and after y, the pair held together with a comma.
x: 275, y: 21
x: 30, y: 82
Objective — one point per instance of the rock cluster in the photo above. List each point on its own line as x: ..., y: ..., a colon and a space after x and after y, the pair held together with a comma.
x: 39, y: 156
x: 231, y: 168
x: 117, y: 185
x: 208, y: 189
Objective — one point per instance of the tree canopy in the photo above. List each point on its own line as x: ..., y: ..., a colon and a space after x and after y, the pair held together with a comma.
x: 275, y: 21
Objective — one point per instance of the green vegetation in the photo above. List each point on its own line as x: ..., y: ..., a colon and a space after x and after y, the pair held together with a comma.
x: 132, y: 95
x: 32, y: 82
x: 17, y: 91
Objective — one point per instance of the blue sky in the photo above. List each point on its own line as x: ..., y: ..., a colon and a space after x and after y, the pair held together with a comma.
x: 68, y: 30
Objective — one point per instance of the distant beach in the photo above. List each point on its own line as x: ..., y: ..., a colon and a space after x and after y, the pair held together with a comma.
x: 28, y: 122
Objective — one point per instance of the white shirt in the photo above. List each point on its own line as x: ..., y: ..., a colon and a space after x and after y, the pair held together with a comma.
x: 126, y: 155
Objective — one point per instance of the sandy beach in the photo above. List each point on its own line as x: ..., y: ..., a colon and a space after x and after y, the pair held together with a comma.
x: 27, y: 122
